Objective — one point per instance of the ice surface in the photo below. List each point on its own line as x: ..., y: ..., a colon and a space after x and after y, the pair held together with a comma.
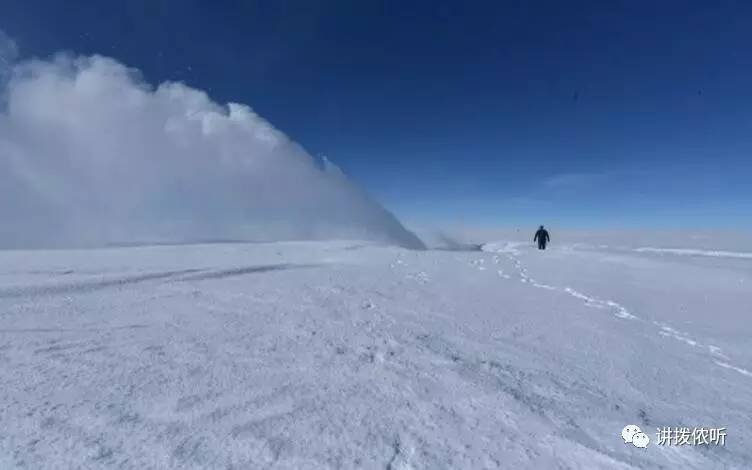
x: 354, y: 355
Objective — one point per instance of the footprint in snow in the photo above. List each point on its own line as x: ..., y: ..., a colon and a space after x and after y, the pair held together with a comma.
x: 503, y: 275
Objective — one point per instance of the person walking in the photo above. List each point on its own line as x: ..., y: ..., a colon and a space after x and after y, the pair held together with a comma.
x: 541, y: 236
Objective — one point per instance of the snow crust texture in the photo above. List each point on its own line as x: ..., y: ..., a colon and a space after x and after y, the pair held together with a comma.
x: 343, y: 355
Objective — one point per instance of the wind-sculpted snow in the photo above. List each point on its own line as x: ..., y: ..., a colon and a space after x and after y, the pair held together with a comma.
x: 694, y: 252
x: 92, y: 155
x: 352, y: 355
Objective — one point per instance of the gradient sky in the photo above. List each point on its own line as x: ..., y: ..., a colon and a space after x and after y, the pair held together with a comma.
x: 577, y: 114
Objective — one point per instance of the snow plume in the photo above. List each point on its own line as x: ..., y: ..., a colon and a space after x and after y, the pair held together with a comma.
x: 90, y: 154
x: 8, y: 54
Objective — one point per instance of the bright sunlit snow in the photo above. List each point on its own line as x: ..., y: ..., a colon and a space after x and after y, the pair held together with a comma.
x: 351, y: 355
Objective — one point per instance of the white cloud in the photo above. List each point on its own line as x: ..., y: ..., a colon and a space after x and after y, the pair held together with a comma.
x: 90, y: 154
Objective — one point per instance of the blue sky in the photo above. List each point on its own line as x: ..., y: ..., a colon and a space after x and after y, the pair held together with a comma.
x: 574, y: 114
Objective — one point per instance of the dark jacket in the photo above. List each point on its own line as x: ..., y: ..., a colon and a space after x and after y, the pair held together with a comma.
x: 542, y: 235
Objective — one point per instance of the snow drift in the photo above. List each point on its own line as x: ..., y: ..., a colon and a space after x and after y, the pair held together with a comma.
x: 90, y: 154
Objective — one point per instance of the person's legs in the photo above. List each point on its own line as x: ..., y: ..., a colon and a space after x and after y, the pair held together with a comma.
x: 541, y: 245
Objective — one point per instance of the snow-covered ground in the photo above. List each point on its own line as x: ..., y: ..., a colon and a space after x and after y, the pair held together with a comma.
x: 351, y: 355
